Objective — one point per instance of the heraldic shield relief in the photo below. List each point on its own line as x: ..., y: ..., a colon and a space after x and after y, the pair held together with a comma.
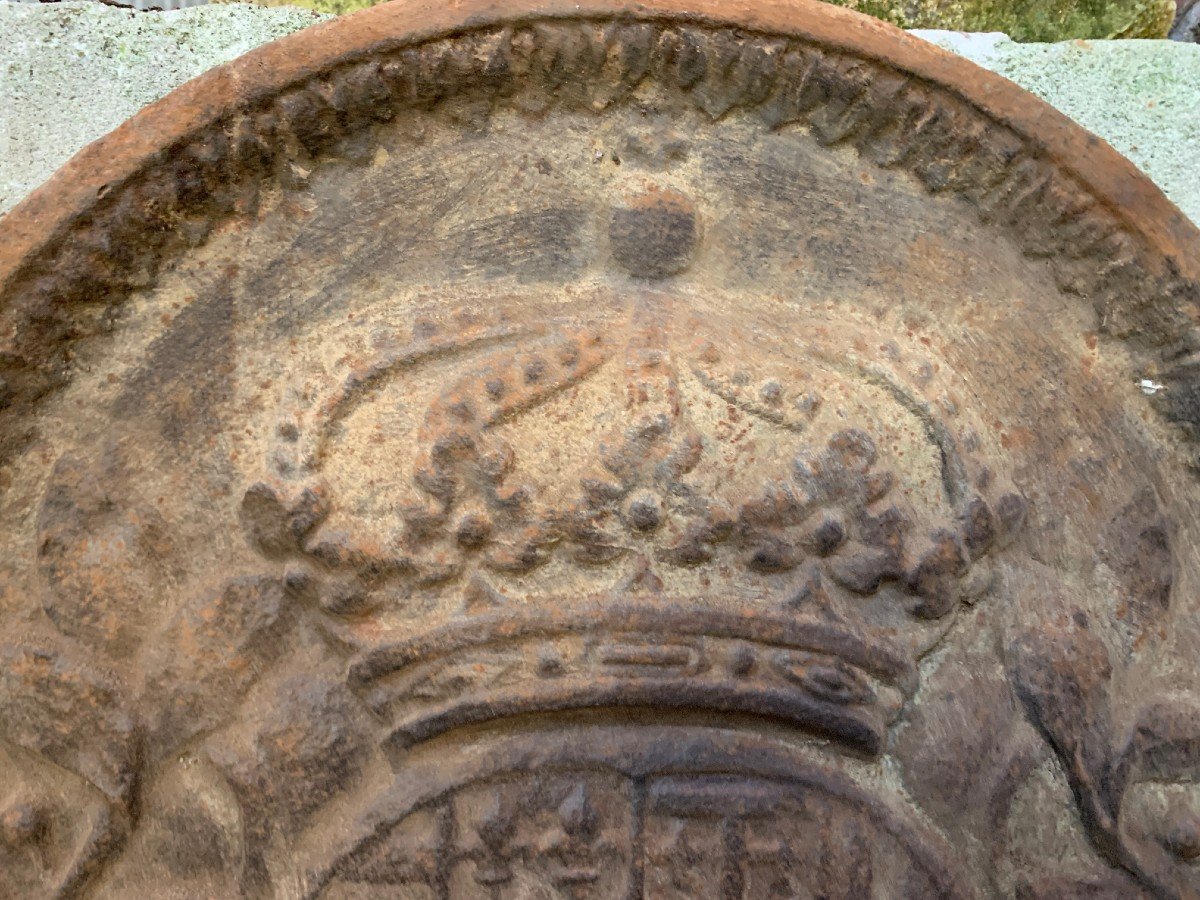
x: 599, y: 450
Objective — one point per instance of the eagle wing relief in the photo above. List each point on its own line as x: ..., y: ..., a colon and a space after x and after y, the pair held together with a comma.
x: 1079, y: 653
x: 71, y: 742
x: 70, y: 755
x: 134, y: 659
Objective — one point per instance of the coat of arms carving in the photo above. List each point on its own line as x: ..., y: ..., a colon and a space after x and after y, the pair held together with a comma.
x: 592, y: 450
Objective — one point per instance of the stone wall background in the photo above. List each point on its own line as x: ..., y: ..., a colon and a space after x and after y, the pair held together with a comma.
x: 70, y: 72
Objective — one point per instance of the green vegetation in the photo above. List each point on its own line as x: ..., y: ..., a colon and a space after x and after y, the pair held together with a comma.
x: 1023, y: 20
x: 1029, y: 20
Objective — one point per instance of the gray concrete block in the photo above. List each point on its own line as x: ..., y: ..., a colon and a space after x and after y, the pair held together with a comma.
x: 71, y: 72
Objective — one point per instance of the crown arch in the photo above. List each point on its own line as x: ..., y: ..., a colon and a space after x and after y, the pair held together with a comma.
x: 509, y: 395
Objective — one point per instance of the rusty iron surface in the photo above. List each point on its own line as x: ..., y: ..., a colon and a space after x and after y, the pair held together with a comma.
x: 599, y: 449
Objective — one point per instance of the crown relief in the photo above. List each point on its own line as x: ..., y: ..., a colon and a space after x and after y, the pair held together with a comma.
x: 650, y: 500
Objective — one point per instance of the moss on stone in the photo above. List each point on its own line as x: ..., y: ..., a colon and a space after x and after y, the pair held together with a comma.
x: 1029, y: 20
x: 1023, y: 20
x: 332, y: 7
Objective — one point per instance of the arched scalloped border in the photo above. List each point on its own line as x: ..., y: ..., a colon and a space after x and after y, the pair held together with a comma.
x: 137, y: 198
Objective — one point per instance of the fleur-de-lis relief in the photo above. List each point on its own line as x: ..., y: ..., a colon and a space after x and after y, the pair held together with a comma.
x: 495, y: 828
x: 23, y: 829
x: 676, y: 856
x: 573, y: 844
